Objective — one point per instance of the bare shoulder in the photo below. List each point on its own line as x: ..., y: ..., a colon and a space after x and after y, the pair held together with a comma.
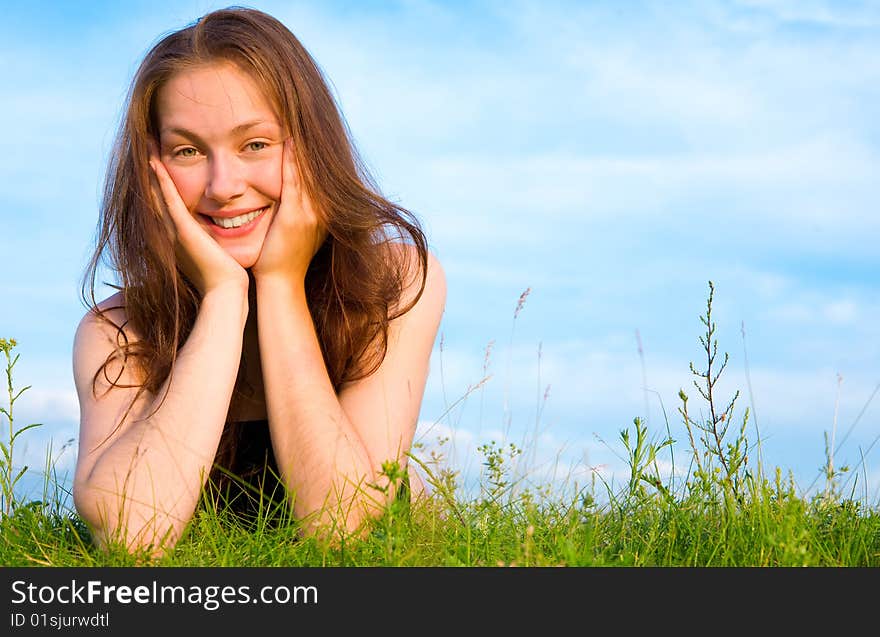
x: 98, y: 335
x: 110, y: 321
x: 433, y: 296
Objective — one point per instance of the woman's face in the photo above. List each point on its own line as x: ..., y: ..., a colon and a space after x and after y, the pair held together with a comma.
x: 222, y: 144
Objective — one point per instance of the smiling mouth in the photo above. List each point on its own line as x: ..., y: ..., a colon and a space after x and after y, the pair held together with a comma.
x: 236, y: 222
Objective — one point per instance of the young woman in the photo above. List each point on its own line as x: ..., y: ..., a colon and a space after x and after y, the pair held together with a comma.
x: 275, y: 314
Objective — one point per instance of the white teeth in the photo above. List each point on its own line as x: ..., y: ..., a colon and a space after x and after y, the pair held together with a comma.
x: 235, y: 222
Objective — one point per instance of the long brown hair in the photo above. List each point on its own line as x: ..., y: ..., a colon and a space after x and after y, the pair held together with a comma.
x: 354, y: 284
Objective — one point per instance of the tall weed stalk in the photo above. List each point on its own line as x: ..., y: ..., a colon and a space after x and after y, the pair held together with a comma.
x: 721, y: 459
x: 9, y: 476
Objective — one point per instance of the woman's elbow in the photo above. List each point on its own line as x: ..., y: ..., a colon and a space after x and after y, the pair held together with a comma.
x: 114, y: 528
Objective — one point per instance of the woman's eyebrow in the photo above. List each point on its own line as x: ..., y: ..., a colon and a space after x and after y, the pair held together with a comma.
x: 239, y: 129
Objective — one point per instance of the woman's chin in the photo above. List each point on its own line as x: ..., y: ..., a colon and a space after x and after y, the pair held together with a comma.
x: 246, y: 250
x: 245, y: 256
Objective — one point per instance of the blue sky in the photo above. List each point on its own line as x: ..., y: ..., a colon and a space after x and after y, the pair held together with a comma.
x: 611, y: 158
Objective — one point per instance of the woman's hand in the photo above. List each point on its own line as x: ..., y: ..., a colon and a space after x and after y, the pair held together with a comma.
x: 295, y: 234
x: 200, y: 257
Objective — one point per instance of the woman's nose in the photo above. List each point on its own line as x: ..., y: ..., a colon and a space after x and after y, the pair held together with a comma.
x: 225, y: 179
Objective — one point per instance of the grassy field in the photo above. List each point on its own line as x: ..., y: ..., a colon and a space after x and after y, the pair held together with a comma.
x: 727, y: 511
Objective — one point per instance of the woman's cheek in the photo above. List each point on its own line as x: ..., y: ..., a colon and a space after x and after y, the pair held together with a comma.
x: 267, y: 178
x: 190, y: 185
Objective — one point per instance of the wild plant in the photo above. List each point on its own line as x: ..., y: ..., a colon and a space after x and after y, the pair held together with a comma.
x: 642, y: 460
x: 498, y: 463
x: 832, y: 473
x: 9, y: 477
x: 720, y: 460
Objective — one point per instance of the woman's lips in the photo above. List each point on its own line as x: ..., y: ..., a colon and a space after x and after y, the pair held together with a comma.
x: 239, y: 231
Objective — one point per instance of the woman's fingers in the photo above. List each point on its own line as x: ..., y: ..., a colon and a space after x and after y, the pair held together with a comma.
x: 289, y: 179
x: 177, y: 212
x: 294, y: 201
x: 291, y: 240
x: 183, y: 227
x: 200, y: 257
x: 160, y: 206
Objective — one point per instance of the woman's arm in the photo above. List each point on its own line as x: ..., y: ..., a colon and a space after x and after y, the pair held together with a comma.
x: 139, y: 480
x: 140, y: 483
x: 330, y: 448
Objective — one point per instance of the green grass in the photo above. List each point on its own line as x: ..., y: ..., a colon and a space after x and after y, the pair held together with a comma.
x: 728, y: 510
x: 771, y: 527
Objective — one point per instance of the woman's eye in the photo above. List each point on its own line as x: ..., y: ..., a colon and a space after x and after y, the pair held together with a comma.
x: 189, y: 151
x: 255, y: 146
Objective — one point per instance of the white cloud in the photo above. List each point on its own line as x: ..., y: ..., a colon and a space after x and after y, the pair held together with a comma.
x: 843, y: 312
x: 47, y: 405
x: 826, y: 12
x: 591, y: 386
x: 542, y: 189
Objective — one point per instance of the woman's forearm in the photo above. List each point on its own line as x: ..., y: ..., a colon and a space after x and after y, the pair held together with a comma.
x: 321, y: 458
x: 148, y: 480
